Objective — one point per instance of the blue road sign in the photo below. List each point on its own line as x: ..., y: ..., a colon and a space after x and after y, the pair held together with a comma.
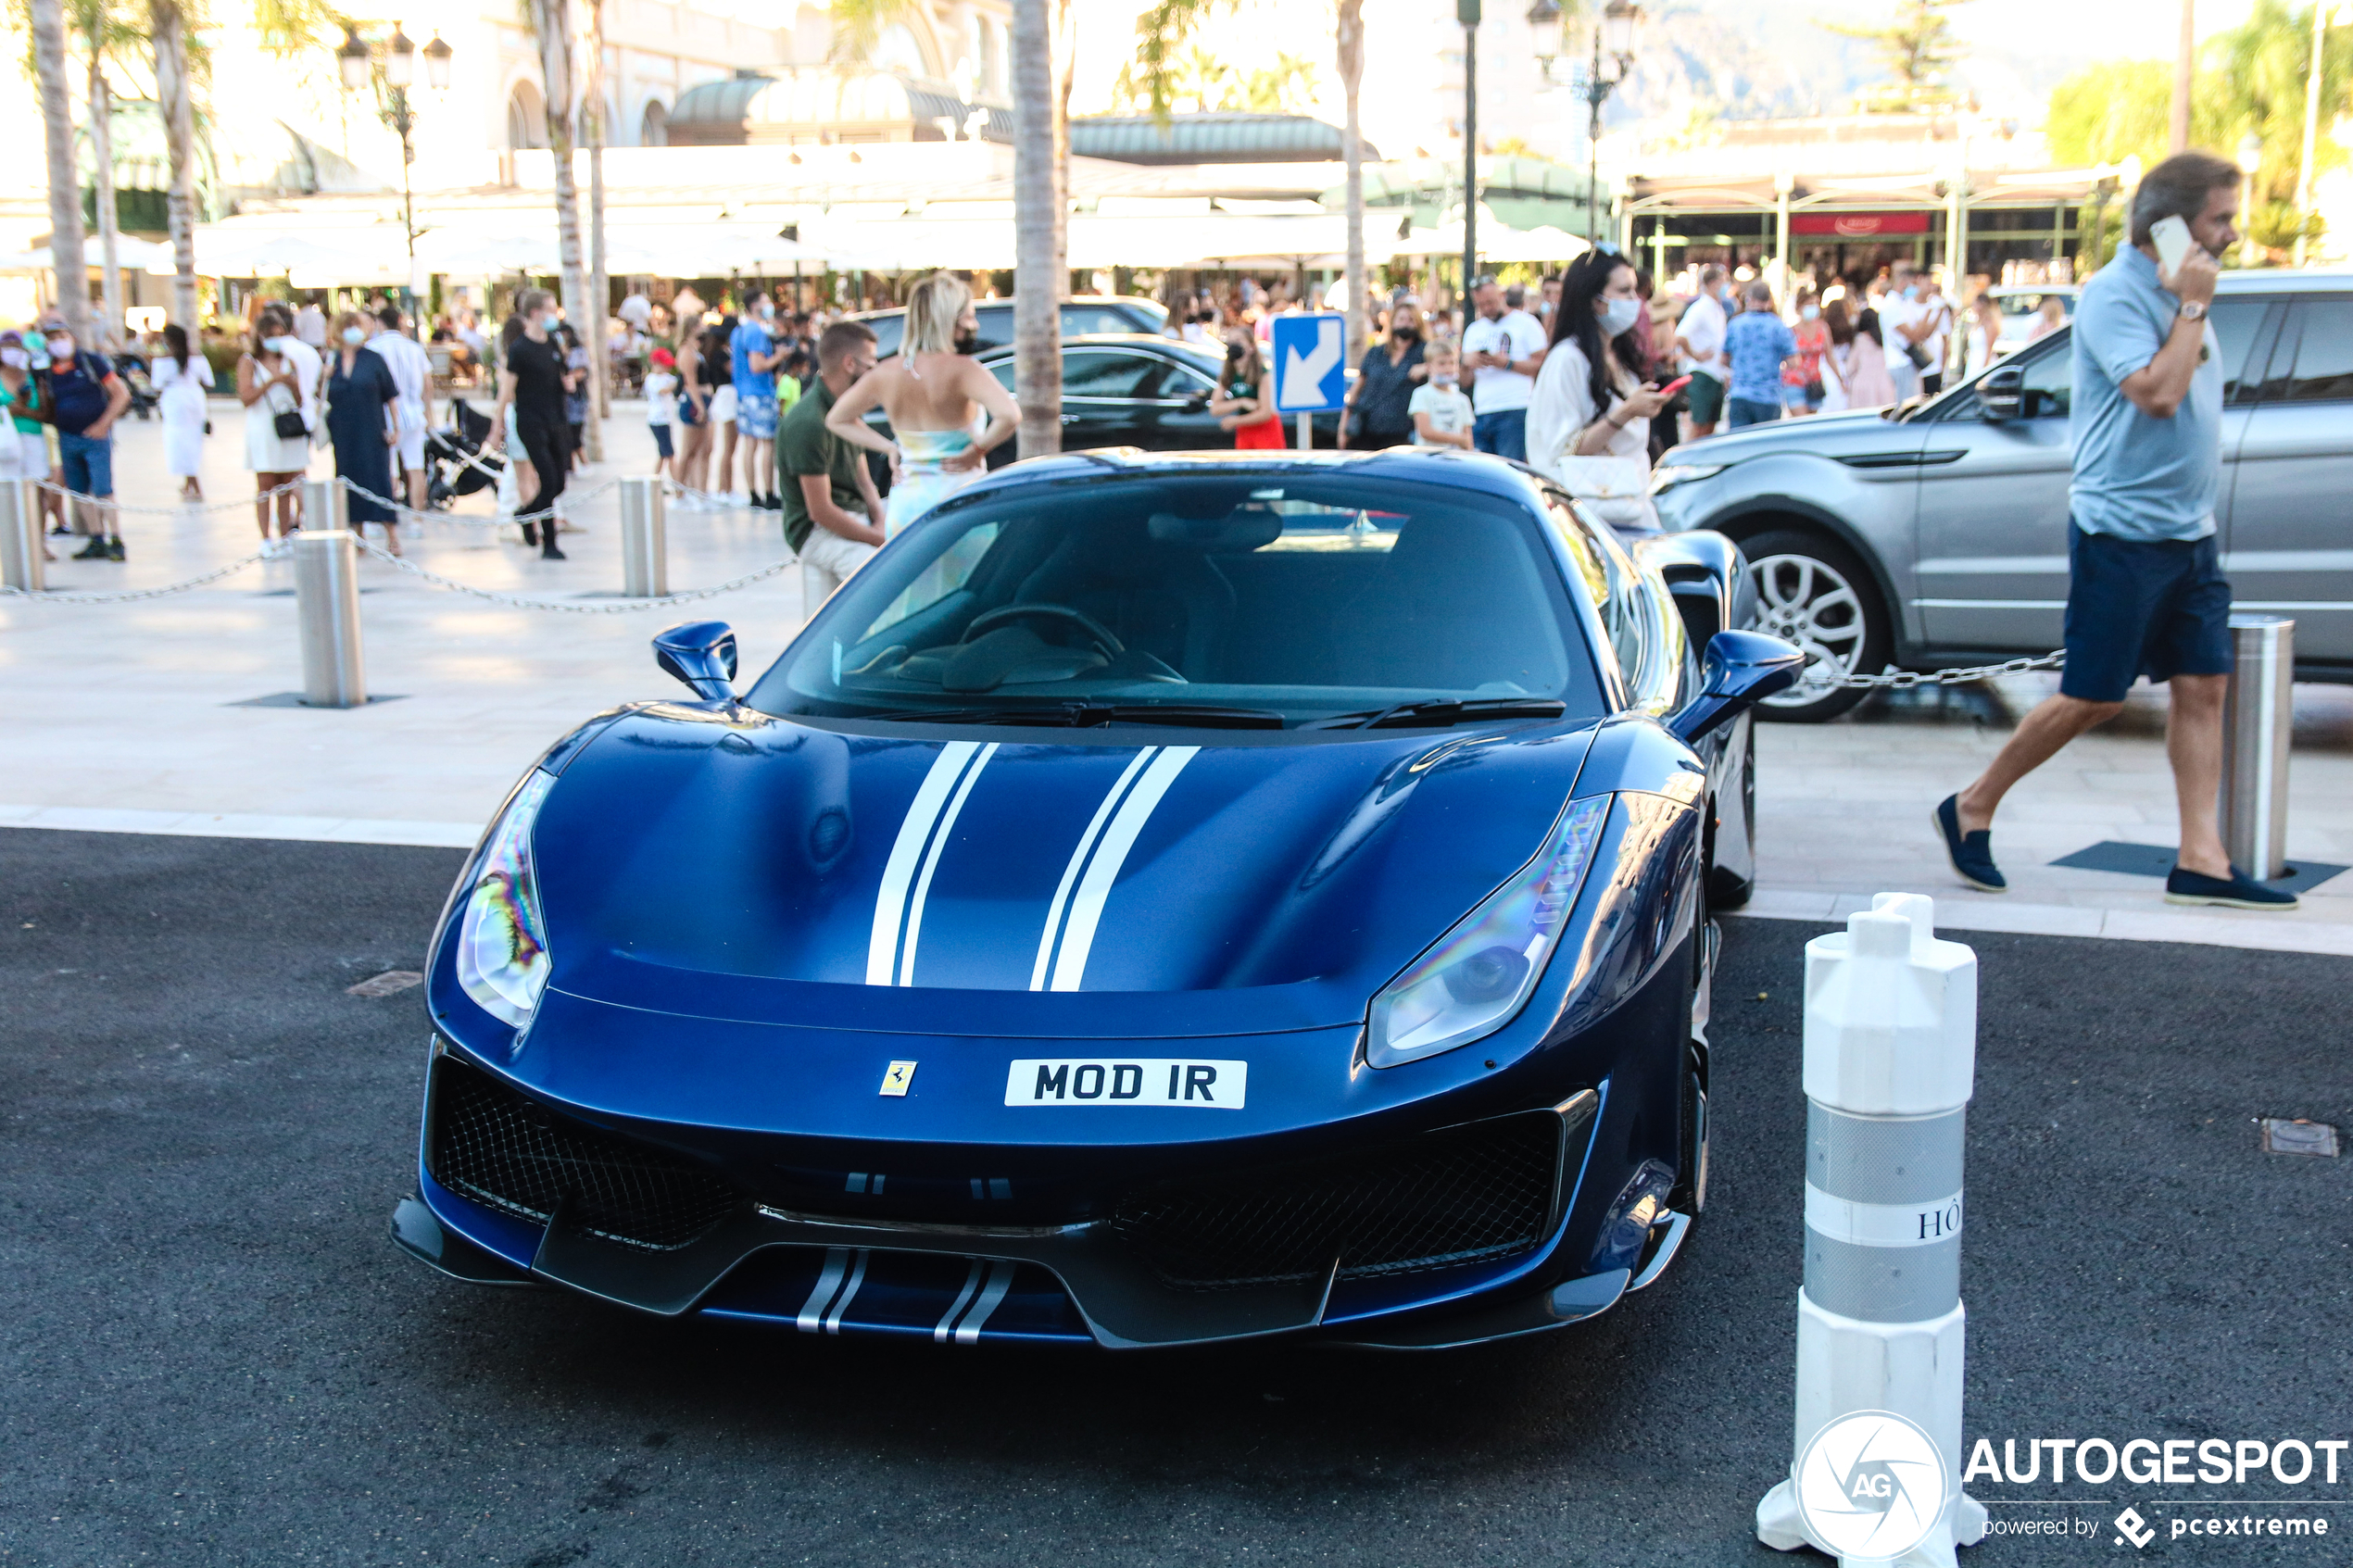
x: 1311, y: 371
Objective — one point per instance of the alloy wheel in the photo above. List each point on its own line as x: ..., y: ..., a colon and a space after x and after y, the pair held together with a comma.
x: 1805, y: 600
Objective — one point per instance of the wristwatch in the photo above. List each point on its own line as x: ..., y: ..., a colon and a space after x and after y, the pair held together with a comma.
x: 2193, y: 311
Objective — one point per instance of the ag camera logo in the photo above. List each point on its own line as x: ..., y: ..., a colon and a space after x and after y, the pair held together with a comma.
x: 1871, y: 1485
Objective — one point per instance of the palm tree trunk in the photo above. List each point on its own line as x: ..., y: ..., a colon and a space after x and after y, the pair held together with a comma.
x: 102, y: 156
x: 65, y: 189
x: 551, y: 19
x: 599, y: 281
x: 1038, y: 383
x: 1351, y: 75
x: 171, y: 28
x: 1065, y: 62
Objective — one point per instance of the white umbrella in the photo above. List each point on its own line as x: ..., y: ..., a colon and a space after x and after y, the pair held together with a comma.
x: 130, y: 252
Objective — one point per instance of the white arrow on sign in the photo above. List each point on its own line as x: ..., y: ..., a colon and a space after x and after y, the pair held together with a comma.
x: 1303, y: 373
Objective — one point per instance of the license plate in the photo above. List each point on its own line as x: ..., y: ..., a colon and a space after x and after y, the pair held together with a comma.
x: 1160, y: 1081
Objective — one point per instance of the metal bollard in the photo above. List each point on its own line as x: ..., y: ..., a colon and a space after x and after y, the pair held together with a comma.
x: 21, y: 558
x: 2257, y: 719
x: 1891, y: 1059
x: 327, y: 608
x: 325, y: 504
x: 645, y: 539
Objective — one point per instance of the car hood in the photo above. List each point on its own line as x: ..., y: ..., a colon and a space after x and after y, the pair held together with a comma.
x: 988, y: 882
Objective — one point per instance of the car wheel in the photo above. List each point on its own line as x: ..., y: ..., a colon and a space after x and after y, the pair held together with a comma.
x: 1815, y: 593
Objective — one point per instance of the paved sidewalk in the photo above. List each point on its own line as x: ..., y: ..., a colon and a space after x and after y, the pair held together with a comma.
x: 127, y: 717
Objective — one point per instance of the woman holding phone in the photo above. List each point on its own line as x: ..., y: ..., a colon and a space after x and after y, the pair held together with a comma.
x: 1245, y: 399
x: 1589, y: 422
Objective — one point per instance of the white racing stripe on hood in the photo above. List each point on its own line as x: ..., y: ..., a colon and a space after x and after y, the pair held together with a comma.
x: 907, y: 855
x: 931, y: 863
x: 1094, y: 888
x: 1047, y: 938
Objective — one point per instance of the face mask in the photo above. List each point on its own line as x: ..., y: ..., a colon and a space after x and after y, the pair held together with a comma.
x: 968, y: 340
x: 1406, y: 334
x: 61, y: 347
x: 1911, y: 291
x: 354, y: 336
x: 767, y: 312
x: 1443, y: 377
x: 275, y: 345
x: 1619, y: 314
x: 14, y: 358
x: 1810, y: 312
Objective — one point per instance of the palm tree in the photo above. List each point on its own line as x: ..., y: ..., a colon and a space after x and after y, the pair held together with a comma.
x: 48, y: 27
x: 1161, y: 30
x: 551, y: 25
x: 167, y: 23
x: 107, y: 35
x: 600, y: 282
x: 1038, y: 226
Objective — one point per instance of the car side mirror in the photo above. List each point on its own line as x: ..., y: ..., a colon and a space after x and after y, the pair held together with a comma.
x: 2003, y: 392
x: 1741, y: 670
x: 701, y: 654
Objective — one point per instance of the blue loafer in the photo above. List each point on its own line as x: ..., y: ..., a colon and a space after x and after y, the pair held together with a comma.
x: 1972, y: 853
x: 2239, y: 891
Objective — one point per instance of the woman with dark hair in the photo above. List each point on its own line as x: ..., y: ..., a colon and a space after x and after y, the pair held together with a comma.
x: 181, y: 380
x: 1858, y: 359
x: 1244, y: 402
x: 1589, y: 422
x: 363, y: 425
x: 533, y: 380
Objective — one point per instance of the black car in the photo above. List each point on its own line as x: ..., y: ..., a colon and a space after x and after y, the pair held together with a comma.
x: 1086, y: 315
x: 1128, y: 389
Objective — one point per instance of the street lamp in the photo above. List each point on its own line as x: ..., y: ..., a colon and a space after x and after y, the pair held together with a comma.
x: 1543, y: 19
x: 391, y: 65
x: 1613, y: 35
x: 2250, y: 160
x: 1466, y: 12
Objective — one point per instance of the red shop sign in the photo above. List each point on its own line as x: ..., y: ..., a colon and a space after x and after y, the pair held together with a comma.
x: 1859, y: 225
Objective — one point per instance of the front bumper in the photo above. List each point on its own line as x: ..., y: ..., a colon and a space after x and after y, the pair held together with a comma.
x: 1456, y: 1236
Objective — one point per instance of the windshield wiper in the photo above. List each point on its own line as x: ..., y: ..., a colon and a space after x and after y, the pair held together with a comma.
x: 1087, y: 715
x: 1443, y: 712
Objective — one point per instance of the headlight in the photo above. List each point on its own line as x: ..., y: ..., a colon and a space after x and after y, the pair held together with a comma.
x: 1667, y: 476
x: 502, y: 939
x: 1478, y: 978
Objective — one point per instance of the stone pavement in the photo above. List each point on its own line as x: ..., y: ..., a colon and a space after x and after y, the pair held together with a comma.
x: 133, y: 717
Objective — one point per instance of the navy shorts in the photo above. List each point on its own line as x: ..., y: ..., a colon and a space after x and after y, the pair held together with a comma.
x: 662, y: 440
x: 2159, y: 607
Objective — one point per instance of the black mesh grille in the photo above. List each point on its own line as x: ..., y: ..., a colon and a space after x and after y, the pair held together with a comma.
x: 1458, y: 1197
x: 500, y: 1149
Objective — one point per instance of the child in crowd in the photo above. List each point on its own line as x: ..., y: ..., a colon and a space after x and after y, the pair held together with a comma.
x: 661, y: 409
x: 1442, y: 413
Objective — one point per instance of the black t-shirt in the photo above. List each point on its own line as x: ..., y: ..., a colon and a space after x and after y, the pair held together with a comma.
x: 538, y: 370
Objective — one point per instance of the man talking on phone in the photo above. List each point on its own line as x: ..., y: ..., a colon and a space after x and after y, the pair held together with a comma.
x: 2146, y: 591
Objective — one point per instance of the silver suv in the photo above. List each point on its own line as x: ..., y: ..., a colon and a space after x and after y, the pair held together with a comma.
x: 1935, y: 536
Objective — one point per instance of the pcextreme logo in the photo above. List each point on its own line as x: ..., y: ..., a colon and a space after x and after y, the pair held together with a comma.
x: 1872, y: 1485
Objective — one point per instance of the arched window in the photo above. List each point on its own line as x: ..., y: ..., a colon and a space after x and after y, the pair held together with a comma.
x: 526, y: 117
x: 653, y: 129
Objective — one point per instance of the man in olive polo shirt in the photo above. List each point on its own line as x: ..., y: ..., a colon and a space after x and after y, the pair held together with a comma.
x: 829, y: 496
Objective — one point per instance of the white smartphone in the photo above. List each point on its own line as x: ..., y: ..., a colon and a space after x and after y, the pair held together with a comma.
x: 2171, y: 238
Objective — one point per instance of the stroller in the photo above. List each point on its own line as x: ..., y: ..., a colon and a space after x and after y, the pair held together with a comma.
x: 449, y: 474
x: 133, y: 369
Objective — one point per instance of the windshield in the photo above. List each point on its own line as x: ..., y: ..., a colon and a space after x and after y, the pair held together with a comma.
x: 1253, y: 602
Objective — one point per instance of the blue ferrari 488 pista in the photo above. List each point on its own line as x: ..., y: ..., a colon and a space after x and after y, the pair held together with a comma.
x: 1157, y: 900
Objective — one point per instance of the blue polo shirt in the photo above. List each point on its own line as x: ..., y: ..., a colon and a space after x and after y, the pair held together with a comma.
x: 1756, y: 342
x: 2137, y: 477
x: 752, y: 338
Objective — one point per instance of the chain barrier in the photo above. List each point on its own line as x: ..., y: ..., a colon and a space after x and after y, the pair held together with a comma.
x: 1905, y: 679
x: 186, y: 508
x: 515, y: 601
x: 126, y: 595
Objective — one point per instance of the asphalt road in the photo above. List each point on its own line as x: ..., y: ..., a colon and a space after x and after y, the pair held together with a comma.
x: 212, y: 1353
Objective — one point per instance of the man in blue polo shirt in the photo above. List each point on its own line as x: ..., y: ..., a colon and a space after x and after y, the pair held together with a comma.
x: 2145, y: 593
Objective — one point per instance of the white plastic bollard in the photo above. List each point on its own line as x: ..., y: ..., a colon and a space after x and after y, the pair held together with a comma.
x: 1891, y: 1059
x: 22, y: 557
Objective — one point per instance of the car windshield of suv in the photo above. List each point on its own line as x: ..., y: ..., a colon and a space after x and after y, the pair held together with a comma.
x: 1246, y: 601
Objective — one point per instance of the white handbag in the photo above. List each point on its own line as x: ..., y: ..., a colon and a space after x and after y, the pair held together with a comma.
x: 1616, y: 490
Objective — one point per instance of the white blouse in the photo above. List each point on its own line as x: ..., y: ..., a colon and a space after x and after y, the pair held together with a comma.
x: 1563, y: 406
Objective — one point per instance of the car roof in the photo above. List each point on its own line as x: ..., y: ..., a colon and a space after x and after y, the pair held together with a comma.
x: 1468, y: 470
x: 2283, y: 280
x: 1008, y: 305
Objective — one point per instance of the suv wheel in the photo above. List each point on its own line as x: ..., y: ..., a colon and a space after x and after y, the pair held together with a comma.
x: 1814, y: 593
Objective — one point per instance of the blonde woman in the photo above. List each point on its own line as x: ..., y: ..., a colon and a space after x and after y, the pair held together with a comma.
x: 932, y: 396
